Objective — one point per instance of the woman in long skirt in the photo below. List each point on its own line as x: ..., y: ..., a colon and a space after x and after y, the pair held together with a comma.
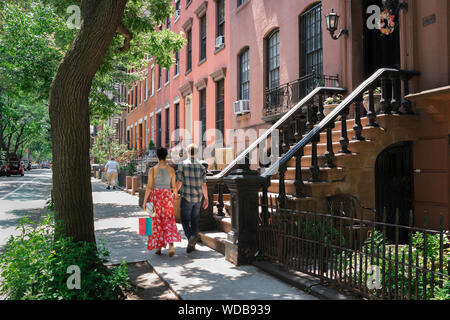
x: 162, y: 189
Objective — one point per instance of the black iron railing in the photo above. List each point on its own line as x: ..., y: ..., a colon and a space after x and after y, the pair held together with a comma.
x: 280, y: 130
x: 354, y: 252
x: 284, y: 97
x: 397, y: 104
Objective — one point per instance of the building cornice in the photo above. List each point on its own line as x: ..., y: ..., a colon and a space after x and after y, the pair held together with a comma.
x: 218, y: 74
x: 187, y: 25
x: 201, y: 9
x: 201, y: 84
x: 186, y: 88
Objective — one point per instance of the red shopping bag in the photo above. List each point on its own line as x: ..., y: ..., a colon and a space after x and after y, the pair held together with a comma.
x: 145, y: 226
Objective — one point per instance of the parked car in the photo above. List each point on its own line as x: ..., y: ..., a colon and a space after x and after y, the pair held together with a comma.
x: 45, y: 165
x: 14, y: 167
x: 2, y: 168
x: 35, y: 165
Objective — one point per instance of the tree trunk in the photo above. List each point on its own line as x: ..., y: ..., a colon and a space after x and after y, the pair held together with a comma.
x: 69, y: 116
x: 18, y: 138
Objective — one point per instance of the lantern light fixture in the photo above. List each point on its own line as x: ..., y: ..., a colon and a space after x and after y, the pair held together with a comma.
x: 332, y: 25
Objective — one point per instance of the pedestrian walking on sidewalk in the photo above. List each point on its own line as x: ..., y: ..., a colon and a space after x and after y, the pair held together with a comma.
x: 161, y: 183
x: 112, y: 170
x: 191, y: 176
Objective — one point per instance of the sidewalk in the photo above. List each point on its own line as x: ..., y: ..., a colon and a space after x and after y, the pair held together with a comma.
x: 201, y: 275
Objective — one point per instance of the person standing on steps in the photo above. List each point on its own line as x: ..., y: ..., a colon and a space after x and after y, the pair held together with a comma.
x: 191, y: 176
x: 112, y: 170
x: 162, y: 189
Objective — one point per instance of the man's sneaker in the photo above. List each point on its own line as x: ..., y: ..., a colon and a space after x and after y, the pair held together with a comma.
x: 114, y: 188
x: 107, y: 188
x: 191, y: 244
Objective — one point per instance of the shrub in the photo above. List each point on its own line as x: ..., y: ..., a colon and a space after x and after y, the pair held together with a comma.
x: 34, y: 266
x: 444, y: 292
x: 398, y: 278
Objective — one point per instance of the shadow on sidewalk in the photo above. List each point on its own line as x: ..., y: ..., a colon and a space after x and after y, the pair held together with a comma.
x: 114, y: 210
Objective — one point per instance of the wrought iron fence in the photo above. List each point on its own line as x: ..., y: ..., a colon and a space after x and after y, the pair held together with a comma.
x: 284, y: 97
x: 354, y: 252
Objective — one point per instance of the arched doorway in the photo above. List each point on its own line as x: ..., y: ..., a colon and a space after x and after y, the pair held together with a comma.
x: 379, y: 50
x: 394, y: 186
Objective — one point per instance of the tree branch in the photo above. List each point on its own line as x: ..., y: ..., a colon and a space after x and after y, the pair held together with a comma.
x: 128, y: 37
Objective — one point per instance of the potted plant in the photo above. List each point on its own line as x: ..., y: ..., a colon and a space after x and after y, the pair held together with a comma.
x: 331, y: 103
x: 376, y: 99
x: 151, y: 149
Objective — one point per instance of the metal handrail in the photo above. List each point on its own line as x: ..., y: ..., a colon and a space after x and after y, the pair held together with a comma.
x: 328, y: 120
x: 277, y: 125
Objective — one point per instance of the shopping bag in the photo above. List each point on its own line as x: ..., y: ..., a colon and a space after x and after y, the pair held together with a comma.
x: 145, y: 226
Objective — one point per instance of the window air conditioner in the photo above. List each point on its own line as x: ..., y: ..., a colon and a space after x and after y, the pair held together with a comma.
x: 220, y: 41
x: 241, y: 107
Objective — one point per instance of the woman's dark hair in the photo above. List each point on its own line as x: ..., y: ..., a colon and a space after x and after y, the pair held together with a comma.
x: 161, y: 153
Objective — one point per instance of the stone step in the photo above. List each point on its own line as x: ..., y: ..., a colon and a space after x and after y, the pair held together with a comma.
x: 368, y: 133
x: 354, y: 146
x: 303, y: 204
x: 350, y: 123
x: 223, y: 223
x: 226, y: 197
x: 325, y: 174
x: 214, y: 239
x: 340, y: 160
x: 312, y: 189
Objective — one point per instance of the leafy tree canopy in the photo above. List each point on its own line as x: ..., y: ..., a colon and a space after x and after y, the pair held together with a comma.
x: 34, y: 37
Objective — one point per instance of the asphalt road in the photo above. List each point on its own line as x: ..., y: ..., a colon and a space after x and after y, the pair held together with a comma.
x: 22, y: 197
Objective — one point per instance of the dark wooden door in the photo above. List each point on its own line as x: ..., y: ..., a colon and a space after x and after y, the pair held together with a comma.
x: 158, y: 130
x: 380, y: 51
x: 394, y: 186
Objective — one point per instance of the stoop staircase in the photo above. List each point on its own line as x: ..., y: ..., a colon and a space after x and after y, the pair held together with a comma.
x: 334, y: 155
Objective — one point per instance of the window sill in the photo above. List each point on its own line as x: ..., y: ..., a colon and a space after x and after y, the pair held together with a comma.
x: 219, y: 49
x: 176, y: 76
x: 187, y: 72
x: 188, y: 4
x: 242, y: 6
x: 245, y: 116
x: 165, y: 84
x: 178, y: 18
x: 201, y: 62
x: 159, y: 89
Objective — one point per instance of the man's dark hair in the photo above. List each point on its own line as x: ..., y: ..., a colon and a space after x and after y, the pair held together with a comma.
x: 191, y: 149
x: 161, y: 153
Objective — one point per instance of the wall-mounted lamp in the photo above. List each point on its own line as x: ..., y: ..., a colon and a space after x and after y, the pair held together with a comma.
x: 333, y: 23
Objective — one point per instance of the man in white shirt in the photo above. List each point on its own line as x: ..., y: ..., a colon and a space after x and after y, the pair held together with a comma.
x: 112, y: 169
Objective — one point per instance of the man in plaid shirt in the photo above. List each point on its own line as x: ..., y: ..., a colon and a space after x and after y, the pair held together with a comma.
x: 191, y: 176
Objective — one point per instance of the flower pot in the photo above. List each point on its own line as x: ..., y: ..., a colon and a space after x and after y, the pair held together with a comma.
x: 328, y: 108
x: 376, y: 100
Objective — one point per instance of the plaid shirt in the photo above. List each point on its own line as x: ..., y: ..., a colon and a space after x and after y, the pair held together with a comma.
x: 192, y: 174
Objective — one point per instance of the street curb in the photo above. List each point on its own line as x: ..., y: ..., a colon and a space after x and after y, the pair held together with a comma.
x: 153, y: 270
x: 304, y: 282
x: 167, y: 283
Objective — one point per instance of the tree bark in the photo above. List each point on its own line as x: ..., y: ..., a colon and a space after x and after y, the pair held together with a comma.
x: 69, y: 116
x: 18, y: 138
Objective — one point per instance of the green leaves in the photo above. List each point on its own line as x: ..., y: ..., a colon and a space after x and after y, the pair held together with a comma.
x: 34, y: 267
x: 34, y: 38
x: 106, y: 146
